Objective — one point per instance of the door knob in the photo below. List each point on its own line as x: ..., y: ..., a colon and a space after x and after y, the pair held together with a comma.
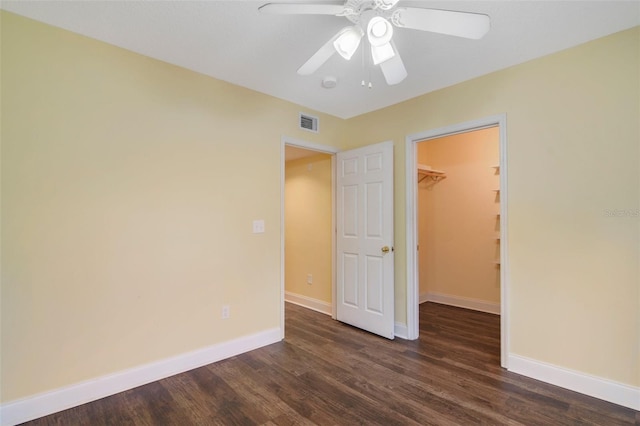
x: 385, y: 249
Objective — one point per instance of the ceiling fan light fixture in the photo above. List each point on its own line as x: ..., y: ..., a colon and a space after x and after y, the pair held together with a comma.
x: 348, y: 41
x: 382, y: 53
x: 379, y: 31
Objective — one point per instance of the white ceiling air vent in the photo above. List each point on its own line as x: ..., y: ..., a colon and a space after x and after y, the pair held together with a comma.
x: 309, y: 122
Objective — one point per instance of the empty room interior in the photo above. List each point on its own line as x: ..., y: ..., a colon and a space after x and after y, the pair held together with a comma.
x: 181, y: 209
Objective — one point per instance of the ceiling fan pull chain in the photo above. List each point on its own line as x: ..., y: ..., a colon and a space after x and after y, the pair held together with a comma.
x: 369, y: 68
x: 362, y: 61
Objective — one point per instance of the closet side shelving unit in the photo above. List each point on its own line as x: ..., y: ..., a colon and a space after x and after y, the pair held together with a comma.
x: 425, y: 172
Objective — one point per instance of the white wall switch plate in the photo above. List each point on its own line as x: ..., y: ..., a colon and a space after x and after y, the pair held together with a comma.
x: 258, y: 226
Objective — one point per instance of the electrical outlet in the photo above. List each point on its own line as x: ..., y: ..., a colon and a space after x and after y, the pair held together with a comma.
x: 258, y: 226
x: 309, y: 279
x: 226, y: 312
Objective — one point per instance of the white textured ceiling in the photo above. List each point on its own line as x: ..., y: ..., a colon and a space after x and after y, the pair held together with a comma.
x: 231, y: 41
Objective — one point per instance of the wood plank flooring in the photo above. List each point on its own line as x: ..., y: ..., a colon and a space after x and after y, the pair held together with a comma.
x: 328, y: 373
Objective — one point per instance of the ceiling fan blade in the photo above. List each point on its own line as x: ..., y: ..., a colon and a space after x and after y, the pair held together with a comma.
x: 329, y: 48
x: 301, y: 9
x: 461, y: 24
x: 319, y: 58
x: 393, y: 69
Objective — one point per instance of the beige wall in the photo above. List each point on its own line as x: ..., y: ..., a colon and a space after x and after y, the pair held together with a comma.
x: 573, y: 139
x: 457, y: 216
x: 308, y: 226
x: 129, y: 187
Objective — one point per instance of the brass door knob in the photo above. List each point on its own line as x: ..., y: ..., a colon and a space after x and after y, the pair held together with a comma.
x: 385, y: 249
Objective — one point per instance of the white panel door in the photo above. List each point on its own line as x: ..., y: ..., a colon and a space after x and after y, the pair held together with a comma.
x: 365, y: 238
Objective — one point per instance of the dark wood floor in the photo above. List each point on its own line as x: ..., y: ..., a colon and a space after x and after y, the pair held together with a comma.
x: 328, y: 373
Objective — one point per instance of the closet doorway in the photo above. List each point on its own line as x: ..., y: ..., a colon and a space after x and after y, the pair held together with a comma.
x: 458, y: 197
x: 307, y: 223
x: 492, y: 216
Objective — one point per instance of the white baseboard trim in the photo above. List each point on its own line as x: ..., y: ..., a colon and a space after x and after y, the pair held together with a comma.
x: 597, y: 387
x: 33, y: 407
x: 400, y: 330
x: 462, y: 302
x: 424, y: 297
x: 308, y: 302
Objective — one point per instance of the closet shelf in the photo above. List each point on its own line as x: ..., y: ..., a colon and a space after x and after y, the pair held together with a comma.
x: 427, y: 172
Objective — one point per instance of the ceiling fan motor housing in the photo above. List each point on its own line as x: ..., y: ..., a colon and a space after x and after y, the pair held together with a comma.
x: 355, y: 10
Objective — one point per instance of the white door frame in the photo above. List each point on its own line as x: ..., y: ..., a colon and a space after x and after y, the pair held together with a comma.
x: 413, y: 288
x: 324, y: 149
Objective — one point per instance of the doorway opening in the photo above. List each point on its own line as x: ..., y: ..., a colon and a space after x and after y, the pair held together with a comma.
x: 493, y: 297
x: 307, y: 223
x: 458, y: 199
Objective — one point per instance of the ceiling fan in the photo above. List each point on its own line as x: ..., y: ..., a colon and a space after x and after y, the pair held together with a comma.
x: 376, y: 19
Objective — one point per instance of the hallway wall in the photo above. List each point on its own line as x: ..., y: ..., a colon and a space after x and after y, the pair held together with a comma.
x: 308, y: 206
